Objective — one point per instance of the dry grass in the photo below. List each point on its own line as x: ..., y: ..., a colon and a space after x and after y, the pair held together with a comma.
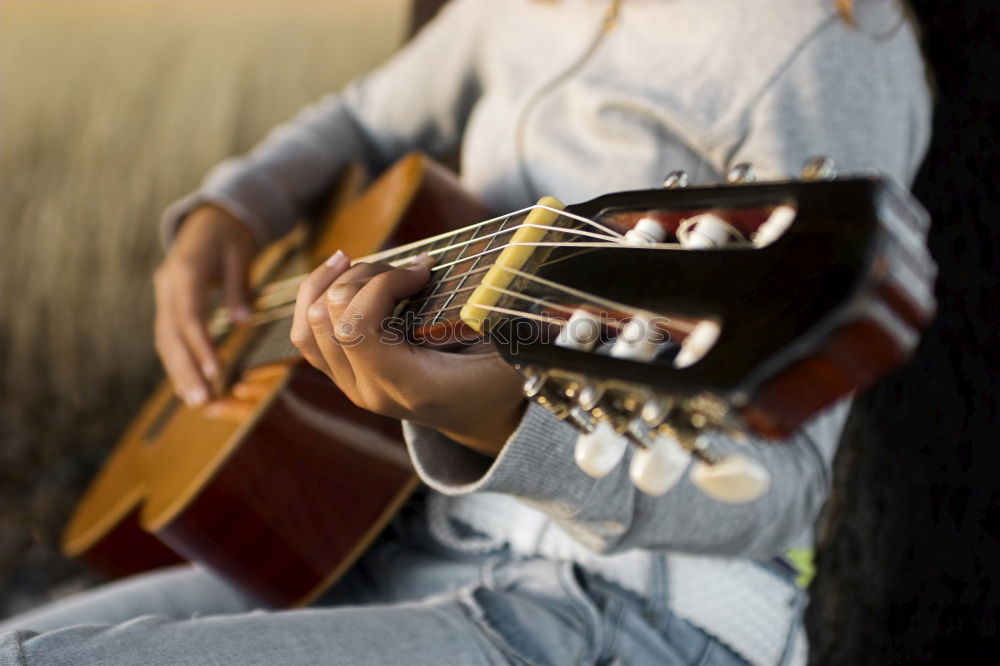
x: 108, y: 111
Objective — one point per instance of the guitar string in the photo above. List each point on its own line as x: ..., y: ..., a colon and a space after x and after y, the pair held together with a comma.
x: 272, y: 308
x: 272, y: 298
x: 280, y: 309
x: 609, y: 321
x: 474, y: 271
x: 585, y: 297
x: 617, y: 324
x: 380, y: 256
x: 275, y: 291
x: 290, y: 297
x: 447, y: 277
x: 678, y: 325
x: 403, y: 249
x: 288, y: 284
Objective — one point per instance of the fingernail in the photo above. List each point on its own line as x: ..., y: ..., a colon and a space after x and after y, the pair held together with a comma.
x: 196, y: 396
x: 240, y: 313
x: 210, y: 369
x: 336, y: 259
x: 421, y: 262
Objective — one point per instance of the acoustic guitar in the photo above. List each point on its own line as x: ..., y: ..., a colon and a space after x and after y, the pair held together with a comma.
x: 645, y: 319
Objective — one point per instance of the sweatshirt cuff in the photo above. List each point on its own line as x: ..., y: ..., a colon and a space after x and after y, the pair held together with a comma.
x: 535, y: 464
x: 175, y: 214
x: 246, y: 195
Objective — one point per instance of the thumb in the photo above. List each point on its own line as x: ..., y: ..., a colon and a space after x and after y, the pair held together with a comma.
x: 235, y: 290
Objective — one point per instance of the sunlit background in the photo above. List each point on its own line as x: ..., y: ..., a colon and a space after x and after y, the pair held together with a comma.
x: 109, y: 111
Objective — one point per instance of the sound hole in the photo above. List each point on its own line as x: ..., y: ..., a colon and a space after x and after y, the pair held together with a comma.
x: 161, y: 420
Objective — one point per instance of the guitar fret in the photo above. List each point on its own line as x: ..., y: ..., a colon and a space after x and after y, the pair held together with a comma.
x: 461, y: 272
x: 475, y: 264
x: 444, y: 278
x: 445, y: 258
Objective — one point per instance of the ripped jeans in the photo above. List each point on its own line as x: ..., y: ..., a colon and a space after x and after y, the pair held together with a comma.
x: 407, y: 601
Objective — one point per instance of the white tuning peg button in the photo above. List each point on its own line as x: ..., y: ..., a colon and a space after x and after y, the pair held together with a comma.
x: 582, y: 331
x: 639, y: 340
x: 699, y: 342
x: 735, y: 479
x: 657, y: 469
x: 599, y: 451
x: 774, y: 226
x: 646, y: 231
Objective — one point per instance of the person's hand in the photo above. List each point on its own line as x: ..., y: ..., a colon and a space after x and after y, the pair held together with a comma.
x: 211, y: 249
x: 473, y: 398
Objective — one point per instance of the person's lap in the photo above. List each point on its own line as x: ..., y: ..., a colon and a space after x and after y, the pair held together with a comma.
x: 401, y: 604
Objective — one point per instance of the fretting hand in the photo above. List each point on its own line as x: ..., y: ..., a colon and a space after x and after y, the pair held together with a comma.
x: 473, y: 398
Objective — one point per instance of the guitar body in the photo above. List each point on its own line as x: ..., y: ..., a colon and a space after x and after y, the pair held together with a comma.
x: 282, y: 497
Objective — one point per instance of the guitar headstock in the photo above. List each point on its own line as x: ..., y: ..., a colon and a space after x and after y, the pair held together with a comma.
x: 745, y: 307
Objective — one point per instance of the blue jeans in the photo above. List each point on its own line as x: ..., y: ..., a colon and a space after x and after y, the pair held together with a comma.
x: 406, y: 602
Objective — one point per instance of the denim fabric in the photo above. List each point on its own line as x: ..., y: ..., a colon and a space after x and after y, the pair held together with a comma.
x: 406, y: 602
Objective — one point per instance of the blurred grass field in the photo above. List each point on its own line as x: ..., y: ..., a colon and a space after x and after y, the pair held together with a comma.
x: 109, y: 111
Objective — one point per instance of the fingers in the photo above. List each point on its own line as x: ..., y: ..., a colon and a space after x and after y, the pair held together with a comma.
x: 357, y: 322
x: 247, y: 394
x: 236, y: 291
x: 312, y: 289
x: 181, y: 339
x: 338, y: 367
x: 336, y: 314
x: 361, y: 364
x: 182, y: 370
x: 210, y: 248
x: 189, y: 307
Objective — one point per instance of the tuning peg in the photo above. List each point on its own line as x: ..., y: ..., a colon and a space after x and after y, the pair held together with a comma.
x: 698, y: 343
x: 582, y: 420
x: 707, y: 231
x: 734, y: 479
x: 819, y: 168
x: 646, y: 231
x: 741, y: 174
x: 589, y: 396
x: 534, y: 383
x: 774, y: 226
x: 675, y: 179
x: 657, y: 468
x: 539, y: 387
x: 599, y: 451
x: 656, y: 411
x: 582, y: 331
x: 639, y: 340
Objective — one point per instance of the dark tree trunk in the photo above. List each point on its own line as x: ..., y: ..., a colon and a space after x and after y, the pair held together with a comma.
x: 909, y: 553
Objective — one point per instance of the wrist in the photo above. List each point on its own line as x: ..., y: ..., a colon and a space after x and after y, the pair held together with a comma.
x: 217, y: 221
x: 489, y: 438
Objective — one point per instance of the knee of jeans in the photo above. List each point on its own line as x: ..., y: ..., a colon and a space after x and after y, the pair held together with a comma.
x: 10, y: 645
x: 537, y: 618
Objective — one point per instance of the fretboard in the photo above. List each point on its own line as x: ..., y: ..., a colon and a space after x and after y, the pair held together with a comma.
x: 460, y: 263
